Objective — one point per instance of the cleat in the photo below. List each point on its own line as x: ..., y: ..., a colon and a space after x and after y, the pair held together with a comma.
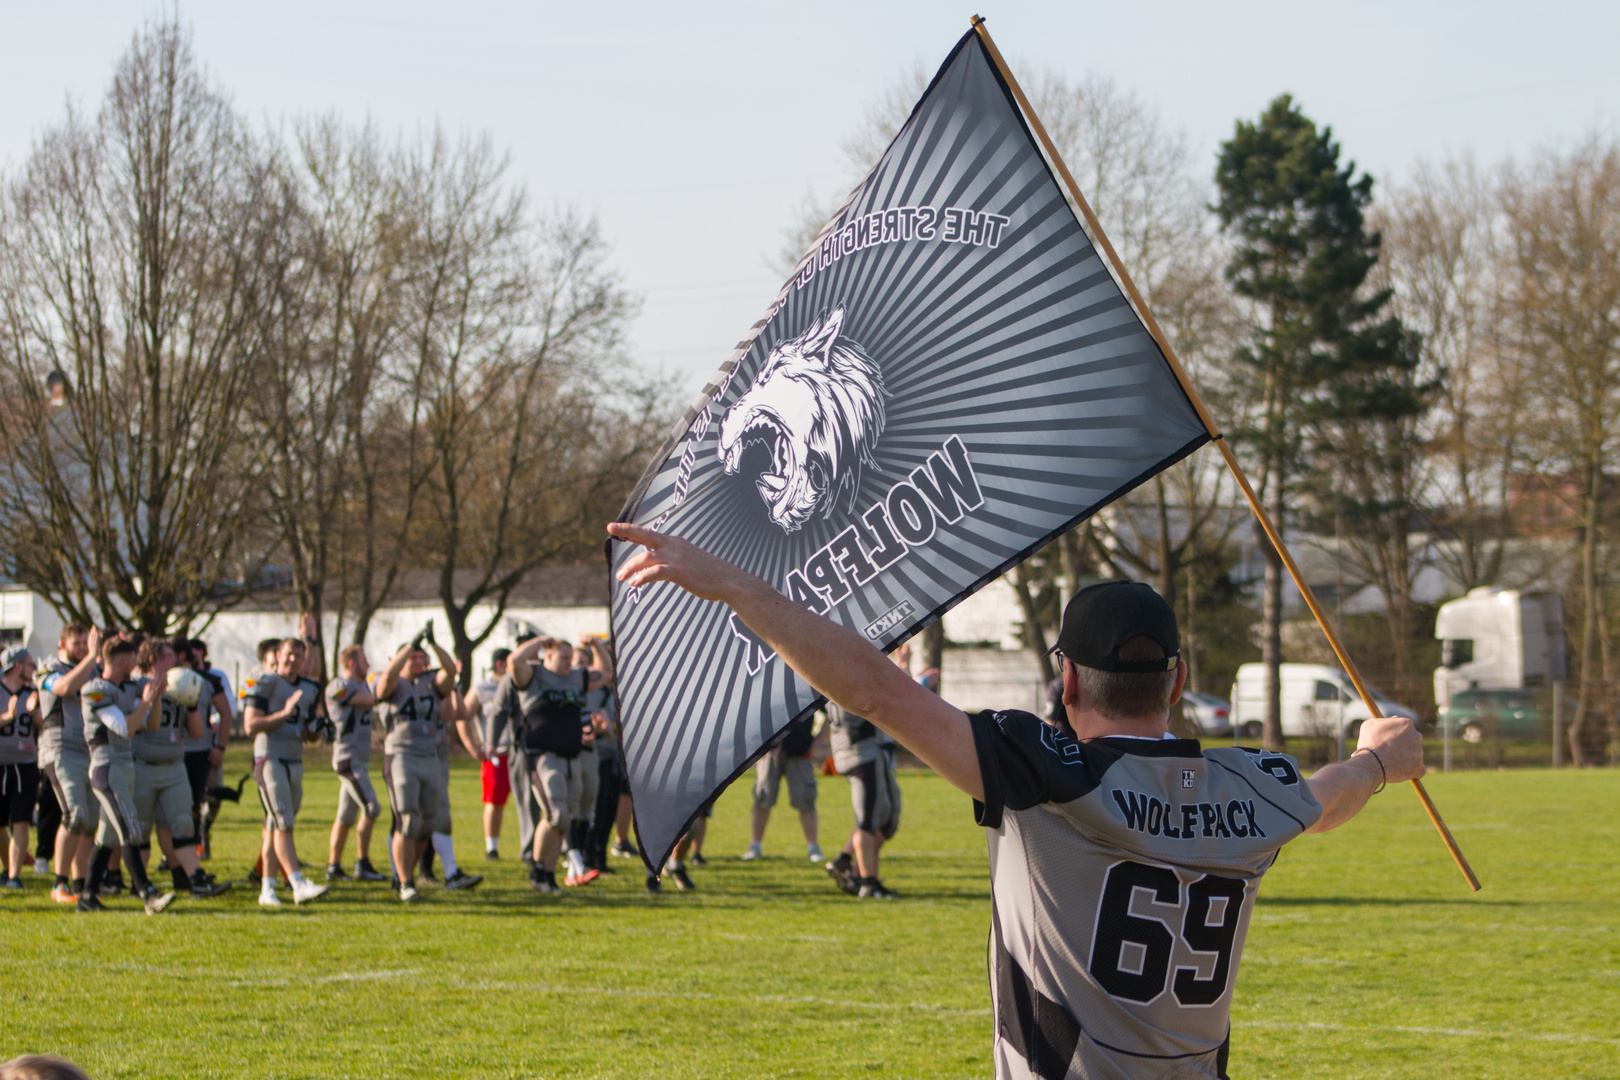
x: 305, y: 891
x: 654, y: 886
x: 876, y: 890
x: 463, y: 880
x: 624, y: 849
x: 698, y: 859
x: 815, y: 853
x: 42, y: 866
x: 155, y: 902
x: 575, y: 880
x: 683, y: 881
x: 843, y: 873
x: 364, y: 871
x: 14, y: 884
x: 492, y: 856
x: 337, y: 873
x: 408, y: 893
x: 162, y: 865
x: 90, y: 903
x: 541, y: 885
x: 63, y: 895
x: 269, y: 899
x: 203, y: 889
x: 112, y: 886
x: 254, y: 878
x: 755, y: 851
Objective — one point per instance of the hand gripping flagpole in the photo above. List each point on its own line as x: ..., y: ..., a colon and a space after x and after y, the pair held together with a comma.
x: 1214, y: 434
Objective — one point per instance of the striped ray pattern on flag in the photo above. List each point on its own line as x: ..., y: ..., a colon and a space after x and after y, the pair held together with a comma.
x: 950, y: 379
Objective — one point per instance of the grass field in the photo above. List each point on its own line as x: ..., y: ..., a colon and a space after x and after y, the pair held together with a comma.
x: 1368, y: 957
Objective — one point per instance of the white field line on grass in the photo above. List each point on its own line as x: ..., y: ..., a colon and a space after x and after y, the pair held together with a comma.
x: 347, y: 976
x: 1464, y: 1033
x: 740, y: 999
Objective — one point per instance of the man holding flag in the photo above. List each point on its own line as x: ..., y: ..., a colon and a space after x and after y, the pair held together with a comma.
x: 1124, y: 862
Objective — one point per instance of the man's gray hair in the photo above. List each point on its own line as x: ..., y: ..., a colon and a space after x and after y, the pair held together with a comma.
x: 1128, y: 695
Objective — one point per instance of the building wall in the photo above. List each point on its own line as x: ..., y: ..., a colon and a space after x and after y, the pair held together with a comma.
x: 998, y: 678
x: 233, y: 634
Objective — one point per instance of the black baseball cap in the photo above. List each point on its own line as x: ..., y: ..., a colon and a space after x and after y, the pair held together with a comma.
x: 1102, y: 617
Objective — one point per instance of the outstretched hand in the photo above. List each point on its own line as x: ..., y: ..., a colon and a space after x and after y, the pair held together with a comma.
x: 1398, y: 744
x: 669, y: 558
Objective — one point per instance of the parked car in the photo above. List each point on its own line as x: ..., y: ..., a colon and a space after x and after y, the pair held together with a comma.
x: 1316, y: 699
x: 1211, y: 714
x: 1476, y: 715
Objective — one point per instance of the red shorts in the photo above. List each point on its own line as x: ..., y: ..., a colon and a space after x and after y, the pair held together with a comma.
x: 497, y: 781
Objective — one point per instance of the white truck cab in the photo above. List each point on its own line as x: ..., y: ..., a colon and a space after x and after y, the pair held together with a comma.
x: 1499, y: 639
x: 1316, y: 700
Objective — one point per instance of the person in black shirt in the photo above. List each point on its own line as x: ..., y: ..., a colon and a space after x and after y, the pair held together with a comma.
x: 788, y: 760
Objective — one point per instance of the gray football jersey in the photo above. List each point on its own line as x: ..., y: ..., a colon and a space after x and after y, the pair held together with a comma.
x: 551, y: 711
x: 352, y: 741
x: 17, y: 736
x: 493, y: 726
x: 270, y: 694
x: 411, y: 717
x: 60, y: 714
x: 855, y: 740
x: 213, y: 683
x: 107, y: 747
x: 1123, y: 874
x: 166, y: 744
x: 601, y: 701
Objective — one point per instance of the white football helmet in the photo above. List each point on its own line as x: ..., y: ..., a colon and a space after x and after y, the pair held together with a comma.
x: 185, y: 687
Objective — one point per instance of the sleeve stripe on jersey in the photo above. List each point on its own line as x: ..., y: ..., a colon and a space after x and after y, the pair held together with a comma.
x: 1258, y: 792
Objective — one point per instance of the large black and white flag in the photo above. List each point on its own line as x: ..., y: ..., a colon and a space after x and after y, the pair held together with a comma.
x: 950, y: 379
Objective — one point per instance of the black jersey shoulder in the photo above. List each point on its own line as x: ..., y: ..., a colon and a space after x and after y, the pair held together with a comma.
x: 1025, y: 761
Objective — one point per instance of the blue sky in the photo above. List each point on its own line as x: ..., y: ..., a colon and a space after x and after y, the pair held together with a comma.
x: 693, y: 131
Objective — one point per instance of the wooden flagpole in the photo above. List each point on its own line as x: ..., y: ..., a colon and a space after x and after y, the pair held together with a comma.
x: 1219, y: 440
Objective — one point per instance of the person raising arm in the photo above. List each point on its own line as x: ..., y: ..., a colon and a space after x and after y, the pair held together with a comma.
x: 1088, y: 820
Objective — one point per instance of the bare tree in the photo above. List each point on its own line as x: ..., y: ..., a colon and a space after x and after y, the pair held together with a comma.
x: 132, y: 262
x: 338, y: 315
x: 512, y: 324
x: 1442, y: 253
x: 1563, y: 297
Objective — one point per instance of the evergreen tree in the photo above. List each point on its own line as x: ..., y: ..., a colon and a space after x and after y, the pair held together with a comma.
x: 1320, y: 362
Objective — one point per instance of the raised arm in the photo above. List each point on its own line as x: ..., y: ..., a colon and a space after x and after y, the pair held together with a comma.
x: 69, y: 682
x: 309, y: 630
x: 445, y: 681
x: 388, y: 681
x: 835, y: 660
x: 1388, y: 751
x: 601, y: 664
x: 521, y: 662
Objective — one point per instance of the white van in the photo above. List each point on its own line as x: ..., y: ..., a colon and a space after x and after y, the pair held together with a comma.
x: 1316, y: 700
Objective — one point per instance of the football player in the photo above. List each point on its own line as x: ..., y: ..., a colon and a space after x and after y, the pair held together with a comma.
x: 350, y: 702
